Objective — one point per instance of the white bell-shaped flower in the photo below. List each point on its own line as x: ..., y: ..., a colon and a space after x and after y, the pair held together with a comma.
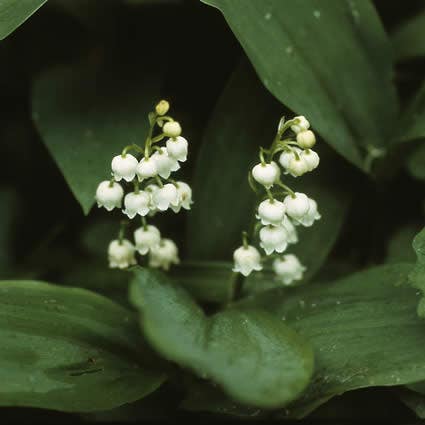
x: 137, y: 203
x: 164, y: 254
x: 165, y: 164
x: 297, y: 205
x: 288, y: 269
x: 273, y: 238
x: 124, y: 167
x: 172, y: 129
x: 146, y: 169
x: 165, y: 196
x: 312, y: 215
x: 151, y: 189
x: 109, y: 195
x: 121, y: 254
x: 177, y: 148
x: 298, y: 166
x: 246, y: 259
x: 290, y: 230
x: 287, y: 156
x: 146, y: 238
x: 184, y: 192
x: 306, y: 139
x: 266, y: 174
x: 301, y: 124
x: 311, y: 159
x: 271, y: 212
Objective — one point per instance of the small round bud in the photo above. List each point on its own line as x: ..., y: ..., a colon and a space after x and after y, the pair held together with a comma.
x: 146, y: 238
x: 172, y: 129
x: 164, y: 254
x: 162, y: 107
x: 288, y: 268
x: 136, y: 203
x: 273, y: 238
x: 306, y: 139
x: 271, y: 212
x: 165, y: 196
x: 109, y: 195
x: 146, y: 169
x: 266, y: 174
x: 297, y: 205
x: 184, y: 192
x: 121, y: 254
x: 298, y: 166
x: 177, y: 148
x: 247, y: 259
x: 301, y: 124
x: 311, y: 159
x: 165, y: 164
x: 124, y: 167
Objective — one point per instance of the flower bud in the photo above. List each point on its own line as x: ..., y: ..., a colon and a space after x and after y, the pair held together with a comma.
x: 164, y: 254
x: 297, y: 205
x: 247, y: 259
x: 301, y: 124
x: 165, y: 196
x: 109, y: 195
x: 172, y: 129
x: 146, y: 169
x: 164, y: 163
x: 146, y: 238
x: 137, y: 203
x: 271, y: 212
x: 306, y: 139
x: 184, y: 192
x: 124, y: 167
x: 266, y: 174
x: 121, y: 254
x: 288, y: 268
x: 273, y: 238
x: 298, y: 167
x: 162, y: 107
x: 311, y: 159
x: 177, y: 148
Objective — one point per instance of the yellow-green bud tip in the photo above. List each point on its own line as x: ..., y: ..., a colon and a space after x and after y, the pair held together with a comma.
x: 162, y: 107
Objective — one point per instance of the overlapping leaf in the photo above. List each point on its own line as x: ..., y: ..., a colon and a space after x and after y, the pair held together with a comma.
x: 69, y: 349
x: 252, y: 355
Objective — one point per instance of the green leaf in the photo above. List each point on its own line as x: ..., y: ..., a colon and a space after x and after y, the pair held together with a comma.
x: 14, y: 13
x: 252, y: 355
x: 230, y: 148
x: 69, y: 349
x: 86, y: 114
x: 416, y: 162
x: 417, y: 276
x: 400, y: 245
x: 364, y: 330
x: 330, y: 61
x: 408, y: 39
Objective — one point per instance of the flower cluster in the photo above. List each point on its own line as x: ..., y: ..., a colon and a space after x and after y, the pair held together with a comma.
x: 153, y: 191
x: 278, y: 218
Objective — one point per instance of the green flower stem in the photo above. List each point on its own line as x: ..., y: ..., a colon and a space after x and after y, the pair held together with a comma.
x: 245, y: 239
x: 159, y: 181
x: 136, y: 186
x: 111, y: 182
x: 157, y: 138
x: 148, y: 141
x: 288, y: 189
x: 133, y: 146
x: 121, y: 232
x: 144, y: 223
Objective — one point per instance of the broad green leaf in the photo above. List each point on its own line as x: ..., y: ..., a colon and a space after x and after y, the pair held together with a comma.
x: 417, y: 276
x: 225, y: 202
x: 252, y: 355
x: 327, y: 60
x: 414, y: 401
x: 86, y: 114
x: 408, y: 39
x: 69, y: 349
x: 416, y: 161
x: 14, y: 13
x: 364, y: 330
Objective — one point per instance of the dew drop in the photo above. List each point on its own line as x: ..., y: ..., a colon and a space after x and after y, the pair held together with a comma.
x: 268, y: 16
x: 289, y: 50
x: 316, y: 14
